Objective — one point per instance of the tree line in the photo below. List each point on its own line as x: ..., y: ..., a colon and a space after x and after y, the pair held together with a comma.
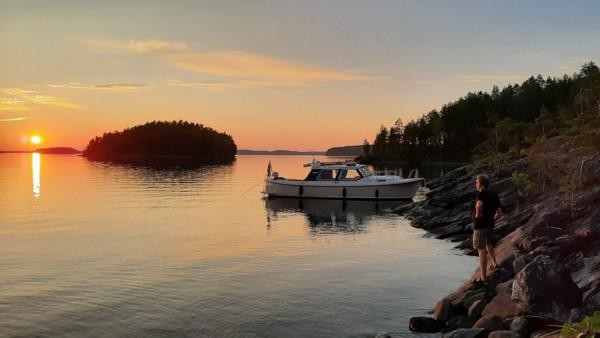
x: 163, y: 139
x: 498, y: 121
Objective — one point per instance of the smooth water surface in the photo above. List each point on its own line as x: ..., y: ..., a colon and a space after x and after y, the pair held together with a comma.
x: 98, y: 250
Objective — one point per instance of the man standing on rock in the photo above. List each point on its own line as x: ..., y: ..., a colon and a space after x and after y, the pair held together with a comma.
x: 487, y: 211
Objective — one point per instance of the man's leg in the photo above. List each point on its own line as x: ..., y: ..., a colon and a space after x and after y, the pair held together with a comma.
x: 490, y: 250
x: 483, y: 263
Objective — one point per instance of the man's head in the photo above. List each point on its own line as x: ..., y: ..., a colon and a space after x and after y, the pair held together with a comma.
x: 482, y: 182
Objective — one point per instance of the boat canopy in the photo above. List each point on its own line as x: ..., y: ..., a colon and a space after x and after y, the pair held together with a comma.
x: 335, y: 165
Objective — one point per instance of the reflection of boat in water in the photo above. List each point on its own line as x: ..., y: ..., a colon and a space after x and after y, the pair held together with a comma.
x: 332, y: 215
x: 342, y: 180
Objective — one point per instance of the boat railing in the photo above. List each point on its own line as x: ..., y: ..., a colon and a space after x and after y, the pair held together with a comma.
x: 413, y: 173
x: 348, y: 162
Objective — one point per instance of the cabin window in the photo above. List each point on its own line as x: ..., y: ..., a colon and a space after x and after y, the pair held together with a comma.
x: 365, y: 171
x: 348, y: 175
x: 326, y: 175
x: 312, y: 175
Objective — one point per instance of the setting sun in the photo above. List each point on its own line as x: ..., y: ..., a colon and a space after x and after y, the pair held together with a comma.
x: 35, y: 139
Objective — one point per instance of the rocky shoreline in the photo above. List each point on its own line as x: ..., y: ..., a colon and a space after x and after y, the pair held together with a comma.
x: 548, y: 252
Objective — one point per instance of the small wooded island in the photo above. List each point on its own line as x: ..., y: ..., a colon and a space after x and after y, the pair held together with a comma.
x: 58, y: 150
x: 161, y: 142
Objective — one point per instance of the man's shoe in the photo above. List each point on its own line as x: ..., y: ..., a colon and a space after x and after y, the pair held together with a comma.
x: 479, y: 282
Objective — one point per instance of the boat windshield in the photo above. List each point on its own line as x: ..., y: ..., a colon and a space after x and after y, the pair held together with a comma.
x: 365, y: 171
x: 312, y: 175
x: 326, y: 175
x: 321, y: 175
x: 348, y: 175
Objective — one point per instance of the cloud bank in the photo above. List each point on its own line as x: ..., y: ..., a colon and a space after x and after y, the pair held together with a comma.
x: 248, y: 70
x: 245, y: 65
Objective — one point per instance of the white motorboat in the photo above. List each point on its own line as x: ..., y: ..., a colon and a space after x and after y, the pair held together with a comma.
x: 342, y: 180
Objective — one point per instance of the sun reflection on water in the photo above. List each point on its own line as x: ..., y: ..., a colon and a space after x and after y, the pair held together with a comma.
x: 35, y: 170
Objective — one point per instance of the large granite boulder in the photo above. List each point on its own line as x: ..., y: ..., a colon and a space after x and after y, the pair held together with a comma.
x: 490, y: 323
x: 460, y: 322
x: 545, y: 288
x: 475, y: 309
x: 499, y: 276
x: 466, y: 297
x: 501, y: 305
x: 425, y: 325
x: 529, y: 244
x: 444, y: 310
x: 520, y: 262
x: 520, y: 325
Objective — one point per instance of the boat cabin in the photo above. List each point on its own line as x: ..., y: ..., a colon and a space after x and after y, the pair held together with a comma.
x: 337, y: 172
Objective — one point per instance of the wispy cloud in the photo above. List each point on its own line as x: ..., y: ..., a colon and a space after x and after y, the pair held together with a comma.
x: 137, y: 46
x: 105, y: 86
x: 20, y: 99
x: 238, y: 64
x: 120, y: 86
x: 14, y: 119
x: 12, y: 104
x: 217, y: 86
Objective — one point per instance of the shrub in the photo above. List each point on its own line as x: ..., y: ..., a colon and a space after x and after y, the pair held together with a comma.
x: 589, y: 327
x: 522, y: 184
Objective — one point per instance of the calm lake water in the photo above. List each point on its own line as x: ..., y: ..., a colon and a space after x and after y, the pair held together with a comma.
x: 97, y: 250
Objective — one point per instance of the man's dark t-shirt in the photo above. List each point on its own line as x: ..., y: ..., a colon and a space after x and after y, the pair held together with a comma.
x: 491, y: 202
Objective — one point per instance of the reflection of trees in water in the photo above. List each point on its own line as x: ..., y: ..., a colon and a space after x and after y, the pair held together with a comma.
x: 332, y: 216
x: 180, y: 175
x: 337, y: 222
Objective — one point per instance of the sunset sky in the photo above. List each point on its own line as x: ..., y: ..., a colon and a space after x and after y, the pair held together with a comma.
x: 300, y: 75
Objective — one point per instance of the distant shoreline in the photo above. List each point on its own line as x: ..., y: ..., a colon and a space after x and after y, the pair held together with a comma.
x: 50, y: 150
x: 66, y: 150
x: 278, y: 152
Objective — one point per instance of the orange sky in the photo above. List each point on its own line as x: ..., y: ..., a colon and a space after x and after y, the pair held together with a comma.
x: 274, y: 75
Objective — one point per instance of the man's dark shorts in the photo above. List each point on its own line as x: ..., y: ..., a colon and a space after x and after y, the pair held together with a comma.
x: 482, y: 237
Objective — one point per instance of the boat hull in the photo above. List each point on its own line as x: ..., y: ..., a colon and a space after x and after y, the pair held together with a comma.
x: 405, y: 189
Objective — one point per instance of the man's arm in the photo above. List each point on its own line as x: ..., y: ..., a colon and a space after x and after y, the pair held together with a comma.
x: 498, y: 209
x: 479, y: 209
x: 498, y: 214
